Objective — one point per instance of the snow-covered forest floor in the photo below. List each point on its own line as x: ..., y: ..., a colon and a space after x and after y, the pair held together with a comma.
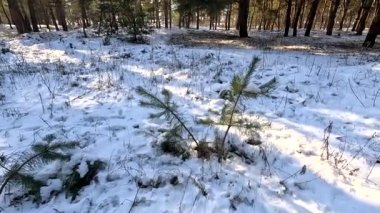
x: 323, y: 104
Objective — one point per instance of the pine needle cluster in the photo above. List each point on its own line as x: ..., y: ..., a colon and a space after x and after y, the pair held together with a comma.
x: 21, y: 167
x: 168, y: 109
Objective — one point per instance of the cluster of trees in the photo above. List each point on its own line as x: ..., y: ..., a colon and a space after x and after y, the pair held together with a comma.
x: 244, y: 15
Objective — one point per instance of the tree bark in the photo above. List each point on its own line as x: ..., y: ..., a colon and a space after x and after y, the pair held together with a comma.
x: 332, y: 15
x: 229, y: 17
x: 301, y: 21
x: 311, y: 16
x: 60, y: 10
x: 357, y: 17
x: 83, y: 12
x: 157, y: 13
x: 5, y: 14
x: 198, y: 11
x: 297, y: 16
x: 374, y: 29
x: 366, y: 7
x: 166, y: 14
x: 346, y: 4
x: 26, y: 18
x: 170, y: 14
x: 322, y: 24
x: 51, y: 12
x: 83, y: 16
x: 33, y: 17
x: 45, y: 14
x: 288, y: 18
x: 243, y: 18
x: 17, y: 17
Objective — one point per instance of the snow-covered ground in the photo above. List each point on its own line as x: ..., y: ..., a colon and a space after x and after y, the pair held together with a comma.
x: 95, y: 103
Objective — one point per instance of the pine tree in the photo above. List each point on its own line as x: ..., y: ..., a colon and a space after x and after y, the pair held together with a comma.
x: 168, y: 109
x: 19, y: 168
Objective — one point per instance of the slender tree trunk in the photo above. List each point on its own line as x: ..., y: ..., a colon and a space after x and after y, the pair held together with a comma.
x: 17, y: 17
x: 322, y: 24
x: 83, y: 16
x: 198, y: 18
x: 367, y: 4
x: 357, y: 17
x: 251, y: 22
x: 83, y: 11
x: 157, y: 13
x: 26, y: 19
x: 33, y: 17
x: 180, y: 21
x: 226, y: 20
x: 60, y: 10
x: 374, y: 29
x: 349, y: 22
x: 311, y: 16
x: 53, y: 17
x: 188, y: 20
x: 5, y: 14
x: 229, y: 17
x: 243, y: 18
x: 297, y: 16
x: 170, y: 14
x: 288, y: 18
x: 211, y: 22
x: 346, y: 4
x: 332, y: 15
x: 301, y: 21
x: 166, y: 13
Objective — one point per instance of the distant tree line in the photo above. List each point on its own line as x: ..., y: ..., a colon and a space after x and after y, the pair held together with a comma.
x: 243, y: 15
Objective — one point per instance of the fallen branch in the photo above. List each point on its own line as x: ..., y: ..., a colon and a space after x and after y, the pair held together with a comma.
x: 349, y: 82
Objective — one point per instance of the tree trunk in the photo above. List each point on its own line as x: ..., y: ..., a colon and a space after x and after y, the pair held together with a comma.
x: 33, y: 17
x: 322, y: 24
x: 83, y: 16
x: 288, y: 18
x: 311, y: 16
x: 198, y: 11
x: 357, y: 18
x: 301, y: 21
x: 297, y: 16
x: 5, y: 14
x: 374, y: 29
x: 170, y: 14
x: 180, y: 21
x: 166, y: 14
x: 346, y: 4
x: 229, y: 17
x: 243, y: 18
x: 53, y: 17
x: 211, y: 22
x: 83, y: 12
x: 60, y: 10
x: 188, y: 20
x: 157, y: 13
x: 349, y: 22
x: 17, y: 17
x: 26, y: 19
x: 332, y: 15
x: 366, y: 7
x: 226, y: 20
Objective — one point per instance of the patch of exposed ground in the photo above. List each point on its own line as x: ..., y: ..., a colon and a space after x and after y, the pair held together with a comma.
x: 343, y: 42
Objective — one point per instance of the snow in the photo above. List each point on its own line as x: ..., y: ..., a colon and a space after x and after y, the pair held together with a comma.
x: 95, y: 103
x: 53, y: 185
